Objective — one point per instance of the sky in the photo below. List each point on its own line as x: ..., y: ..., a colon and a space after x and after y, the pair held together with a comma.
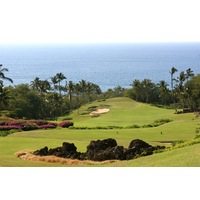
x: 98, y: 21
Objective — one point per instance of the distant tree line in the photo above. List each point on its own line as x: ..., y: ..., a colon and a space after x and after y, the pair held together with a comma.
x: 42, y: 99
x: 184, y: 92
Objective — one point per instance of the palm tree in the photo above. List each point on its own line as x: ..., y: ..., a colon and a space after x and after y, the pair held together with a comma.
x: 46, y: 86
x: 40, y: 86
x: 172, y: 72
x: 189, y: 73
x: 180, y: 87
x: 2, y: 76
x: 137, y: 87
x: 70, y: 88
x: 35, y: 84
x: 147, y: 87
x: 162, y: 85
x: 54, y: 81
x: 77, y: 90
x: 60, y: 77
x: 83, y: 87
x: 180, y: 79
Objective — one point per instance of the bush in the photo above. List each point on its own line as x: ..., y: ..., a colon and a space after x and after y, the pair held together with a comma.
x: 66, y: 124
x: 133, y: 126
x: 46, y: 126
x: 30, y: 126
x: 49, y: 125
x: 157, y: 123
x: 25, y: 125
x: 95, y: 115
x: 6, y: 128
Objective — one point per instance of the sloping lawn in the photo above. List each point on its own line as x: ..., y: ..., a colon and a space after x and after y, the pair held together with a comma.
x: 123, y: 112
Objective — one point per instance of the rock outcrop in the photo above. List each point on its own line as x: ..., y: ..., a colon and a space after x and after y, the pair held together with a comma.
x: 101, y: 150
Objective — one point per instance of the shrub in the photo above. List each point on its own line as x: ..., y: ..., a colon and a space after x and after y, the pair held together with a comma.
x: 92, y: 108
x: 39, y: 122
x: 67, y: 118
x: 157, y: 123
x: 30, y: 126
x: 95, y: 115
x: 2, y: 128
x: 133, y: 126
x: 49, y: 125
x: 66, y: 124
x: 25, y: 125
x: 2, y: 123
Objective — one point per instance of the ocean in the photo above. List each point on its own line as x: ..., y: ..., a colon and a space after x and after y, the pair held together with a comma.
x: 107, y: 65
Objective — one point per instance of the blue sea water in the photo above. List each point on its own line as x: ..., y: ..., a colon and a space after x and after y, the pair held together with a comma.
x: 108, y: 65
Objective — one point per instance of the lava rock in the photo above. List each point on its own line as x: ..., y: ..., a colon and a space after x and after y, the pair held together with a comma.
x: 69, y: 147
x: 41, y: 152
x: 138, y: 144
x: 101, y: 150
x: 96, y: 149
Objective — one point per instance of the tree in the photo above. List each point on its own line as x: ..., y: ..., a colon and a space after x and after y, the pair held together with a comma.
x: 40, y: 86
x: 83, y: 88
x: 70, y: 88
x: 4, y: 96
x: 181, y: 89
x: 163, y: 91
x: 27, y: 102
x: 2, y: 76
x: 137, y: 89
x: 172, y: 72
x: 35, y: 84
x: 77, y: 91
x: 193, y: 91
x: 189, y: 74
x: 60, y: 77
x: 147, y: 89
x: 54, y: 81
x: 180, y: 80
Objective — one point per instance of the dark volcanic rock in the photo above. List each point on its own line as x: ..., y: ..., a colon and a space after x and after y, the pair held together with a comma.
x: 138, y: 144
x: 102, y: 144
x: 42, y: 152
x: 97, y: 150
x: 69, y: 147
x: 68, y: 150
x: 138, y: 148
x: 113, y: 153
x: 101, y: 150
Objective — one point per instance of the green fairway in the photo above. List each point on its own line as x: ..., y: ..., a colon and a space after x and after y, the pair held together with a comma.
x: 123, y: 112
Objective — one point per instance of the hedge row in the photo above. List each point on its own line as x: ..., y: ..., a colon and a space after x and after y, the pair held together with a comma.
x: 27, y: 125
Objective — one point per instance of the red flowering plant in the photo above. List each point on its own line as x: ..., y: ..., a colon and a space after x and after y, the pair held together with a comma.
x: 66, y: 124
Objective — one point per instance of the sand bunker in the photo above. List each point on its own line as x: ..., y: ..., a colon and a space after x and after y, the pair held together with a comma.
x: 100, y: 111
x: 27, y: 155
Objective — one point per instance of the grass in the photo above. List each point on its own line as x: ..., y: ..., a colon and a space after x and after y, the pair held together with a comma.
x: 123, y: 112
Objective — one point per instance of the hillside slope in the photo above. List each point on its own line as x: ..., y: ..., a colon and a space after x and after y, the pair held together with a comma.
x: 122, y: 112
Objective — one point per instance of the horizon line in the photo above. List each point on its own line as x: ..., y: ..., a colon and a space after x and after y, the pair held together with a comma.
x: 99, y: 43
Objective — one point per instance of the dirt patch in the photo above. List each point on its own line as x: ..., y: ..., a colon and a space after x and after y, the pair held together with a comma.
x: 100, y: 111
x: 27, y: 155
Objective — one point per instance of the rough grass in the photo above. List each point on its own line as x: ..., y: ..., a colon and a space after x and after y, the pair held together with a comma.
x: 27, y: 155
x: 123, y: 112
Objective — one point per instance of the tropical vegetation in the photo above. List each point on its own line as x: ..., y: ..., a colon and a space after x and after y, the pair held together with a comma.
x: 48, y: 99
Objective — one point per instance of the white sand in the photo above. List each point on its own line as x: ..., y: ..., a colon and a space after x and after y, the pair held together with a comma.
x: 100, y: 111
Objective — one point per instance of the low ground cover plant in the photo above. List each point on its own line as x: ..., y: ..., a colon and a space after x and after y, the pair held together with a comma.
x: 13, y: 125
x: 65, y: 124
